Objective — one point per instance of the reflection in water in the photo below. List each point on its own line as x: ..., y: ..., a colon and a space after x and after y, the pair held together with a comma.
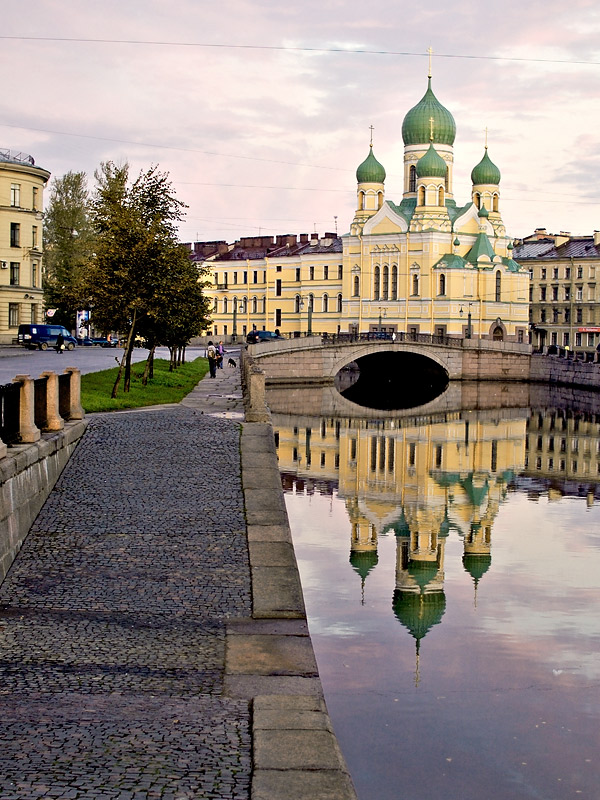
x: 425, y: 510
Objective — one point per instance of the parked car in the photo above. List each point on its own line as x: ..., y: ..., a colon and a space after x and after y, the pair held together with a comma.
x: 44, y: 336
x: 254, y: 337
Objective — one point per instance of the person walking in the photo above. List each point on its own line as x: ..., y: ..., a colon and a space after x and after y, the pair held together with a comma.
x: 220, y: 354
x: 211, y: 354
x: 60, y: 343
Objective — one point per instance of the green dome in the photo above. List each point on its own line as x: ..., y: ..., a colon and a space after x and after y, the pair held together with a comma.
x: 483, y: 212
x: 431, y: 165
x: 416, y: 128
x: 485, y: 172
x: 370, y: 171
x: 364, y: 562
x: 419, y: 612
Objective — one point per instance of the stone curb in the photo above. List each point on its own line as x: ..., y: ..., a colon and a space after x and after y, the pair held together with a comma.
x: 270, y: 659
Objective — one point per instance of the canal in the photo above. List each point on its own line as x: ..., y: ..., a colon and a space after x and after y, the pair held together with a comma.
x: 450, y: 562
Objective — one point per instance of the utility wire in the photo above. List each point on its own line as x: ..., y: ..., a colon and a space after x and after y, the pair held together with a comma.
x: 292, y: 49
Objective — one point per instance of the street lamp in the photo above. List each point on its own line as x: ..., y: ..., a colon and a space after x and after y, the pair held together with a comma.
x: 234, y: 328
x: 310, y: 301
x: 384, y: 310
x: 469, y: 332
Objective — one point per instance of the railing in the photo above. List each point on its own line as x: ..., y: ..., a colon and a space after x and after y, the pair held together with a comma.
x: 565, y: 353
x: 19, y: 158
x: 372, y: 336
x: 30, y: 407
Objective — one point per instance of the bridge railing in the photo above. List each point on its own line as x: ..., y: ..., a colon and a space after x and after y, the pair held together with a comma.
x: 373, y: 336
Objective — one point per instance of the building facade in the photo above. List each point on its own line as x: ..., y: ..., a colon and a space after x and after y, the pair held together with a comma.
x: 421, y: 265
x: 565, y: 289
x: 22, y: 185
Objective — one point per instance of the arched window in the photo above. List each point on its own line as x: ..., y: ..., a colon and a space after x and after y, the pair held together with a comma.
x: 394, y: 295
x: 477, y: 199
x: 442, y: 284
x: 216, y: 305
x: 386, y: 283
x: 376, y: 284
x: 311, y: 302
x: 421, y: 200
x: 254, y: 305
x: 415, y: 284
x: 447, y: 184
x: 361, y: 201
x: 379, y: 199
x: 412, y: 179
x: 498, y: 286
x: 339, y: 303
x: 440, y: 196
x: 356, y: 286
x: 325, y: 303
x: 225, y: 305
x: 495, y: 203
x: 297, y: 301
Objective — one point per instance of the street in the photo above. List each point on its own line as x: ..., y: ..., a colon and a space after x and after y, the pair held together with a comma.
x: 19, y: 361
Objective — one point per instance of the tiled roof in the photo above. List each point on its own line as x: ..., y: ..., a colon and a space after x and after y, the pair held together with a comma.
x: 576, y: 247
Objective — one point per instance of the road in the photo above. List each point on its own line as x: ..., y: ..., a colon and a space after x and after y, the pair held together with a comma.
x: 19, y: 361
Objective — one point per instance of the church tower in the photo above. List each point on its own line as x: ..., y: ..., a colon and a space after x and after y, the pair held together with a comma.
x: 370, y: 190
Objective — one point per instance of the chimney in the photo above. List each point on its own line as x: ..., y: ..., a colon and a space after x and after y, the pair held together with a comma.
x: 303, y: 238
x: 596, y: 238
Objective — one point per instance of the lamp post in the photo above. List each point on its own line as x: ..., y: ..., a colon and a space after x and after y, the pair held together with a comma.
x: 234, y: 327
x: 309, y: 302
x: 469, y: 332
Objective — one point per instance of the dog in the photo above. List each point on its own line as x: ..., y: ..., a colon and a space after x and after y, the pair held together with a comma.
x: 231, y: 363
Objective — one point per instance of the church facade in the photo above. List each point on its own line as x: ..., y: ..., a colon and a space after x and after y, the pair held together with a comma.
x: 424, y: 264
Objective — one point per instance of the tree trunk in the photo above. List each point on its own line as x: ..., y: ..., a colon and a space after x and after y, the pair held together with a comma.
x: 149, y: 368
x: 183, y: 355
x: 128, y: 348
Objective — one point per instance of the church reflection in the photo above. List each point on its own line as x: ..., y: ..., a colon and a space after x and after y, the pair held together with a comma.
x: 424, y: 479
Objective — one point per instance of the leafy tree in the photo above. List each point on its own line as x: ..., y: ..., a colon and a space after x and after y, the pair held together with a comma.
x: 140, y: 271
x: 68, y: 246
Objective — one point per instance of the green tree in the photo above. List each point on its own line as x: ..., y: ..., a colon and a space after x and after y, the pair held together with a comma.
x: 68, y: 246
x: 135, y: 278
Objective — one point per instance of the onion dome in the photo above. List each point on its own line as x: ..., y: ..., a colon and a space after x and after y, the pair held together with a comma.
x: 431, y: 165
x: 456, y: 242
x: 483, y: 212
x: 370, y: 171
x: 485, y: 172
x: 416, y: 128
x: 510, y: 246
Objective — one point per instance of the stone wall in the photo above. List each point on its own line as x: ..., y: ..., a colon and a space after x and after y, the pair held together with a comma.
x: 28, y: 473
x: 564, y: 372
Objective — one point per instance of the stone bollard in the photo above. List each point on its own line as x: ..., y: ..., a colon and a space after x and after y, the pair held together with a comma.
x: 28, y: 430
x: 75, y: 408
x: 3, y: 449
x: 54, y: 422
x: 257, y: 410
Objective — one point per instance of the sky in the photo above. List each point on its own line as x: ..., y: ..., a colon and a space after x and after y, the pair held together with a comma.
x: 260, y: 111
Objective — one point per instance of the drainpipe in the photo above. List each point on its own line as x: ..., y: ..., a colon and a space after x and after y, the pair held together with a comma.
x: 360, y: 283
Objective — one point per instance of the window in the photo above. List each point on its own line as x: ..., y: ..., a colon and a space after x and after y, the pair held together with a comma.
x: 567, y: 315
x: 356, y: 286
x: 498, y: 286
x: 34, y: 236
x: 442, y: 284
x: 225, y: 305
x: 386, y: 283
x: 543, y: 315
x: 415, y: 284
x: 339, y: 303
x: 15, y: 194
x: 376, y: 284
x: 245, y: 277
x: 340, y: 272
x: 579, y: 315
x: 555, y: 273
x: 297, y: 304
x: 15, y: 234
x: 555, y: 292
x: 33, y: 314
x: 34, y: 273
x: 235, y: 277
x: 255, y: 276
x: 394, y: 295
x: 577, y: 340
x: 555, y: 313
x: 311, y: 273
x: 278, y: 268
x: 34, y: 201
x: 543, y: 276
x: 13, y: 315
x: 325, y: 303
x: 566, y: 339
x: 278, y: 287
x: 254, y: 305
x: 567, y: 272
x: 579, y: 294
x: 278, y: 318
x: 14, y: 273
x: 567, y: 292
x: 412, y: 179
x: 580, y: 272
x: 520, y: 336
x: 325, y: 273
x: 542, y: 293
x: 297, y: 274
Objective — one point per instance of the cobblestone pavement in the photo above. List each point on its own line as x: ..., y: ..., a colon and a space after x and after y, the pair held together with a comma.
x: 112, y: 619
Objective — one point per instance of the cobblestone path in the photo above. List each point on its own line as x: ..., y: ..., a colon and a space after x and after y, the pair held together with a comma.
x: 112, y: 620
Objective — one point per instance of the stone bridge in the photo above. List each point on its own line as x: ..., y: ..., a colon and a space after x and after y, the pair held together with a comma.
x: 316, y: 359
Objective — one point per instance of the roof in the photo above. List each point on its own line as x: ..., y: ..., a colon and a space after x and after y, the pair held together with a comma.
x: 575, y: 247
x: 417, y: 128
x: 370, y: 171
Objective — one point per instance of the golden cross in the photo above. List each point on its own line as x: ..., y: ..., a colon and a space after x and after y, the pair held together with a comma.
x: 486, y: 133
x: 431, y: 121
x: 430, y: 51
x: 371, y: 129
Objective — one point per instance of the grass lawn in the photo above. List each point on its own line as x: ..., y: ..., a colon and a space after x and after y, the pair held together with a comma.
x: 165, y: 387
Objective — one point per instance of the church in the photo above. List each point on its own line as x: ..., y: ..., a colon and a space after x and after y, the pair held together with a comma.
x: 418, y: 264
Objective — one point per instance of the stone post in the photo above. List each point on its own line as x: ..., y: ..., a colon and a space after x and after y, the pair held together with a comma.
x: 75, y: 410
x: 54, y: 422
x: 3, y: 449
x: 257, y: 410
x: 28, y: 430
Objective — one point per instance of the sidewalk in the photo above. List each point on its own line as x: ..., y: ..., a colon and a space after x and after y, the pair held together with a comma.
x: 152, y: 634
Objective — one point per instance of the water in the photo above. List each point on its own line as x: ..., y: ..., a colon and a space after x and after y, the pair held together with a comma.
x: 450, y: 563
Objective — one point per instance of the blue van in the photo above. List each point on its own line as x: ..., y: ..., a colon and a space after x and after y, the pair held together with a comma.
x: 44, y: 336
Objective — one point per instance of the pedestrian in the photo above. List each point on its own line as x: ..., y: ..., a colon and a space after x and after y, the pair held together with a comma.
x: 60, y: 343
x: 220, y: 354
x: 211, y: 354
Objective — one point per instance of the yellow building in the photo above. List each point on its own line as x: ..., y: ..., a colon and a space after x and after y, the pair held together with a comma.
x: 21, y: 188
x: 421, y: 265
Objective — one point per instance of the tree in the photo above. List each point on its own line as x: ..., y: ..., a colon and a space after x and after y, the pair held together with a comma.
x: 134, y: 280
x: 68, y: 246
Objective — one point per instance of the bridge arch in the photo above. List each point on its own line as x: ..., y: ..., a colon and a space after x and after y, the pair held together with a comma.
x: 348, y: 355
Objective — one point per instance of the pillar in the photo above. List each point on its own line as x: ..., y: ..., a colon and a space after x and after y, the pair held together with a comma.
x: 75, y: 408
x: 28, y: 430
x: 54, y: 422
